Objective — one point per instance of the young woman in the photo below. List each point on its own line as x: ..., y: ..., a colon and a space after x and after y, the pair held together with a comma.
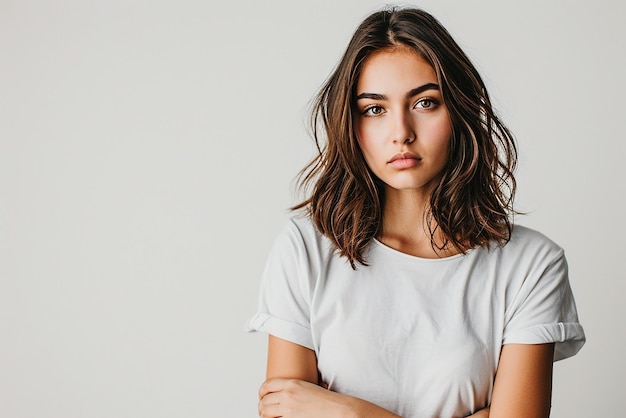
x: 405, y: 289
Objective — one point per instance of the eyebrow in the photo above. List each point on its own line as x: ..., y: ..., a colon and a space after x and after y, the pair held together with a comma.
x: 414, y: 92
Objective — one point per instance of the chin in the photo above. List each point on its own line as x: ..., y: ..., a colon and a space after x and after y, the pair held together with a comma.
x: 408, y: 186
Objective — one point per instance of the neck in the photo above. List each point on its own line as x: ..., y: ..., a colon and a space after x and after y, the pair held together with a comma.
x: 407, y: 226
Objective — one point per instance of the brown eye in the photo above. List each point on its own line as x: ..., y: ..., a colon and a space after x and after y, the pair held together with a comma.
x: 426, y: 103
x: 373, y: 111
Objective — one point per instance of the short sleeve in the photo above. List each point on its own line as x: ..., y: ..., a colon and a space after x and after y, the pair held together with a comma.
x: 284, y: 297
x: 544, y: 311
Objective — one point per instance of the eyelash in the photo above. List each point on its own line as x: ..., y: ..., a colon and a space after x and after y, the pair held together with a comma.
x: 433, y: 104
x: 366, y: 111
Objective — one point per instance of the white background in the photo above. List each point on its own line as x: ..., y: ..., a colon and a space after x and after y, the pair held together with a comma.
x: 147, y: 151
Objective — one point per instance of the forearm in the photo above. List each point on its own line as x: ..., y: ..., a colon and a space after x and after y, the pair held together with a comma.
x: 291, y: 389
x: 294, y: 398
x: 359, y: 408
x: 483, y: 413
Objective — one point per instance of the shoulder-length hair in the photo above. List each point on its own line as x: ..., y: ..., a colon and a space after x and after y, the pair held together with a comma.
x: 472, y: 202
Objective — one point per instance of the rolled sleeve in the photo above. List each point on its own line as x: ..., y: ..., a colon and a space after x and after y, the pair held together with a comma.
x: 544, y: 311
x: 284, y: 298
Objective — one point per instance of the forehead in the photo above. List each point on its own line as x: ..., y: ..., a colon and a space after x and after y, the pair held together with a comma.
x: 394, y: 69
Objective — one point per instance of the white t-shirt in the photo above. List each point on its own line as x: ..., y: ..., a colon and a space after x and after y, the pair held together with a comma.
x: 419, y: 337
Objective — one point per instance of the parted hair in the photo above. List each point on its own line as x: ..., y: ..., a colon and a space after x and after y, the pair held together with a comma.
x: 472, y: 202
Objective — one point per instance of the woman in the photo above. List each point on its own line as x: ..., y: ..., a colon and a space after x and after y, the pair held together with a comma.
x: 406, y: 290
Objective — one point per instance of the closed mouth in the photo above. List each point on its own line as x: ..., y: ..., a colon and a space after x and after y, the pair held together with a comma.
x: 404, y: 156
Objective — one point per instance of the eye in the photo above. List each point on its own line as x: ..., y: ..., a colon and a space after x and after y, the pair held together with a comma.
x: 374, y: 110
x: 426, y: 103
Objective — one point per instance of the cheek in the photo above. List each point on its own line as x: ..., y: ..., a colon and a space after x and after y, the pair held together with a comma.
x: 443, y: 134
x: 441, y: 126
x: 362, y: 139
x: 369, y: 152
x: 368, y: 139
x: 443, y: 149
x: 437, y: 146
x: 364, y: 143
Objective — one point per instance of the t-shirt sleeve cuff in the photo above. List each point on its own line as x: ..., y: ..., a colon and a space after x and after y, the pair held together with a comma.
x: 568, y: 337
x: 286, y: 330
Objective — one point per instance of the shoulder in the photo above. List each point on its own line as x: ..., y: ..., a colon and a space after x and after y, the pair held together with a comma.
x: 529, y: 242
x: 301, y: 243
x: 530, y: 260
x: 526, y: 256
x: 303, y: 225
x: 299, y: 231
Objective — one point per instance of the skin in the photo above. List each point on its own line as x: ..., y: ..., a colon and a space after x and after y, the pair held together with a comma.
x: 522, y: 387
x: 400, y: 110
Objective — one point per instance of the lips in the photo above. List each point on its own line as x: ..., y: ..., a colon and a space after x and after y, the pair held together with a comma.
x: 404, y: 160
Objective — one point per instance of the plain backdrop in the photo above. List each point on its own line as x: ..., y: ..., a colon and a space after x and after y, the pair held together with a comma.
x: 147, y: 156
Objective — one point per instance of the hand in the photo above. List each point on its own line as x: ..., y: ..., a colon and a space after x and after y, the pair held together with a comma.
x: 292, y: 398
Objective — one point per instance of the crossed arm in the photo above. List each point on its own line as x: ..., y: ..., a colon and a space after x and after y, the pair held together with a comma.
x: 522, y: 388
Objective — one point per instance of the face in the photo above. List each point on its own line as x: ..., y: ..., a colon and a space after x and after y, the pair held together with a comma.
x: 402, y: 124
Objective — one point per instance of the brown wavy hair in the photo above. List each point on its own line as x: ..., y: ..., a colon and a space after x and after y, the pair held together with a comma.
x: 472, y: 203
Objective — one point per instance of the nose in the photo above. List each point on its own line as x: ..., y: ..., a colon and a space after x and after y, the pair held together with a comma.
x: 403, y: 131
